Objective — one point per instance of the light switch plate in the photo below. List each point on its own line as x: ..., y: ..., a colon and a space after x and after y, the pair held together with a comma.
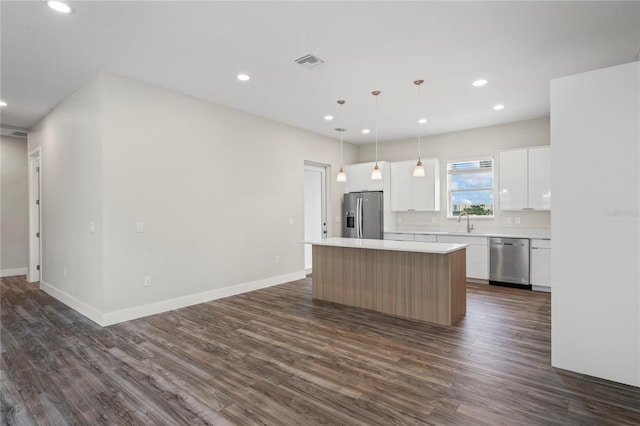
x: 139, y: 226
x: 290, y: 221
x: 517, y: 221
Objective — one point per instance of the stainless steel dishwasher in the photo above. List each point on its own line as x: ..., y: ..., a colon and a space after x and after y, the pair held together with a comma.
x: 509, y: 262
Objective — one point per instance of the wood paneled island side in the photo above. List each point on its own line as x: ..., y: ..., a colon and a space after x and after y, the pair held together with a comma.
x: 424, y: 281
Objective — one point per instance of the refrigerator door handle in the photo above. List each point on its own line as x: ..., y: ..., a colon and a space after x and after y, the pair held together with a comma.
x: 359, y: 217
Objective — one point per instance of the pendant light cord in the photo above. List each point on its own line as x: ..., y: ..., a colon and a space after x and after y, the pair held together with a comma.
x: 341, y: 131
x: 376, y: 95
x: 419, y: 125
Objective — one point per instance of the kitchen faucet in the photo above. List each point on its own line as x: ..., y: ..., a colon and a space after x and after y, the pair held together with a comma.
x: 469, y: 227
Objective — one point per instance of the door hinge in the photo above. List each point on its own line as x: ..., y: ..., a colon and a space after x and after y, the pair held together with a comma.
x: 37, y: 235
x: 38, y: 267
x: 38, y: 169
x: 38, y: 202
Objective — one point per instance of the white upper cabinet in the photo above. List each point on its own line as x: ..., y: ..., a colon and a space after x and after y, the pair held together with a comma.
x: 359, y: 177
x: 409, y: 193
x: 525, y: 179
x: 540, y: 178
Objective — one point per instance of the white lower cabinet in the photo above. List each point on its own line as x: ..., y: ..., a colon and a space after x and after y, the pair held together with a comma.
x: 540, y: 277
x: 477, y: 254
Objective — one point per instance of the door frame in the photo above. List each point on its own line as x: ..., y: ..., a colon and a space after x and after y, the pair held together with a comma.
x: 35, y: 216
x: 324, y: 169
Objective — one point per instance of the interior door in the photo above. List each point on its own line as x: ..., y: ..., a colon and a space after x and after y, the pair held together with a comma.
x: 33, y: 272
x: 315, y: 208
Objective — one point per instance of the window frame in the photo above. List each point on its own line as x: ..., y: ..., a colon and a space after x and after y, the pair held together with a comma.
x: 469, y: 171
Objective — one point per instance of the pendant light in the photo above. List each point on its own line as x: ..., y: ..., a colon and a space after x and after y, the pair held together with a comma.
x: 376, y: 174
x: 418, y: 171
x: 342, y: 177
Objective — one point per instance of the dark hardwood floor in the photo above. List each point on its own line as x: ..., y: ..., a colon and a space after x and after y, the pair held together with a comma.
x: 276, y: 357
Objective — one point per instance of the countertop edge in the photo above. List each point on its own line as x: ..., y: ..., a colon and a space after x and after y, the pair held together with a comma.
x: 390, y: 245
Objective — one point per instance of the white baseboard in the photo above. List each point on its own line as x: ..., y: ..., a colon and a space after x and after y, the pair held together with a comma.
x: 541, y: 288
x: 13, y: 272
x: 128, y: 314
x: 87, y: 310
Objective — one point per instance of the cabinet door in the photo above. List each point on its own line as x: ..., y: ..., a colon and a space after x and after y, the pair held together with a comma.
x: 512, y: 167
x: 477, y: 262
x: 401, y: 177
x: 540, y: 262
x: 540, y: 178
x: 477, y: 254
x: 359, y: 177
x: 425, y: 191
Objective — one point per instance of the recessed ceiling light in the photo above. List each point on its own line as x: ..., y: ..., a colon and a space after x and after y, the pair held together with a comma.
x: 243, y: 77
x: 3, y: 103
x: 479, y: 83
x: 498, y: 107
x: 366, y: 131
x: 328, y: 117
x: 422, y: 120
x: 58, y: 6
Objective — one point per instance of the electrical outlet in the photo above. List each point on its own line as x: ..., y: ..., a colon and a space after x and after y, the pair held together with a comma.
x: 337, y: 219
x: 92, y: 227
x: 517, y: 221
x: 277, y: 259
x: 139, y: 226
x: 147, y: 280
x: 290, y: 221
x: 509, y: 220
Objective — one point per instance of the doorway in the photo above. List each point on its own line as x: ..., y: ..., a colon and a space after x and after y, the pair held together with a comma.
x: 315, y: 207
x: 35, y: 240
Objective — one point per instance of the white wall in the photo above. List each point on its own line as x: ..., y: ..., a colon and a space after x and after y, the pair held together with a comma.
x: 14, y: 207
x: 214, y: 187
x: 467, y: 144
x: 596, y: 225
x: 71, y: 197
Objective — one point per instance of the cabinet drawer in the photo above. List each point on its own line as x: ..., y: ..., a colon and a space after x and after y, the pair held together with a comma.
x: 426, y: 238
x: 398, y: 237
x: 463, y: 239
x: 536, y: 243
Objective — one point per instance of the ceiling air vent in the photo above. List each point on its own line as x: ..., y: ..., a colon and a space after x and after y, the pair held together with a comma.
x: 19, y: 134
x: 309, y: 61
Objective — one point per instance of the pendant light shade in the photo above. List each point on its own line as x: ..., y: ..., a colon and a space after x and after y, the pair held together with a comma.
x: 376, y: 174
x: 342, y: 177
x: 418, y: 171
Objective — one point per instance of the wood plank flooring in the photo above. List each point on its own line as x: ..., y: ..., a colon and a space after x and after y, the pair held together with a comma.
x: 276, y: 357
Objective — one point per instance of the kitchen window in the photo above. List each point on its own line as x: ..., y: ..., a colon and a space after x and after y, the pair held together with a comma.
x: 470, y: 187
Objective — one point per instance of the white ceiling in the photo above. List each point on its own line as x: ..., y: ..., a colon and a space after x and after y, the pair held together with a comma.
x: 198, y: 48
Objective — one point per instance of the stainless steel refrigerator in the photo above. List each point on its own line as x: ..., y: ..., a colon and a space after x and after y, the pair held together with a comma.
x: 362, y: 215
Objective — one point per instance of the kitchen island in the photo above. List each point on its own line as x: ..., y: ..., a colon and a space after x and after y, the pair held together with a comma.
x: 423, y: 281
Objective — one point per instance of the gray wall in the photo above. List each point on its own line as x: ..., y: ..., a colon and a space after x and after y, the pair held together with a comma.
x: 14, y: 207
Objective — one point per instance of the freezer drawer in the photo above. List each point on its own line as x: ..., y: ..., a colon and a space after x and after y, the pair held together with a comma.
x: 509, y: 261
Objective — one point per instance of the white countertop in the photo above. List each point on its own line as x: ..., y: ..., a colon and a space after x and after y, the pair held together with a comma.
x: 537, y: 233
x: 411, y: 246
